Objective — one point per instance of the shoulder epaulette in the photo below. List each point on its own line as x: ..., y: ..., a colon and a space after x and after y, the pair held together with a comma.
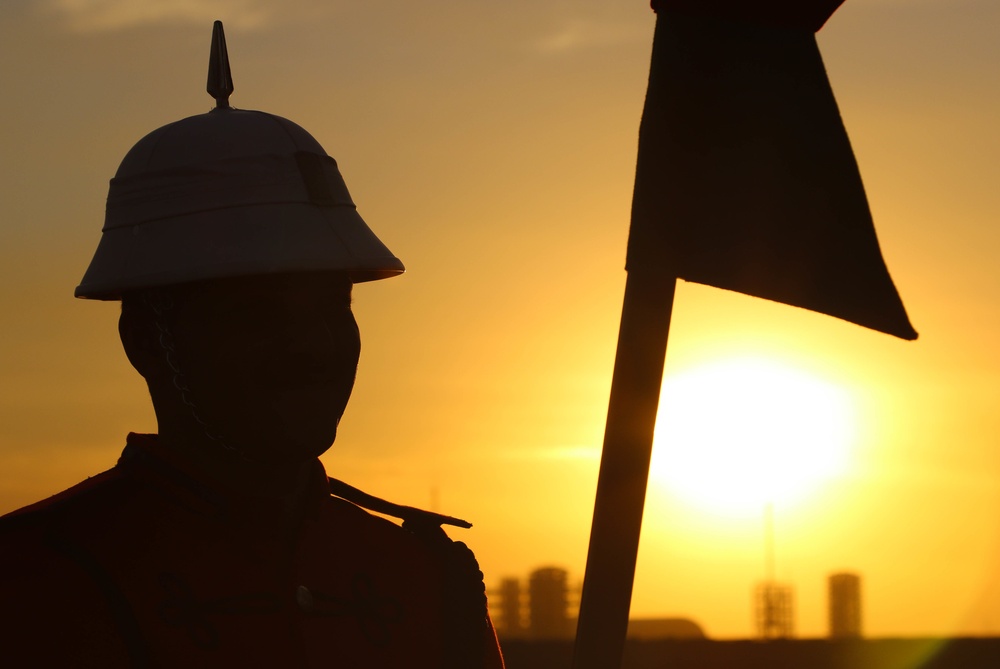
x: 411, y: 516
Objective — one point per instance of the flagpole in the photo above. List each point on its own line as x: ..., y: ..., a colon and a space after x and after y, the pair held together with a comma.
x: 621, y: 484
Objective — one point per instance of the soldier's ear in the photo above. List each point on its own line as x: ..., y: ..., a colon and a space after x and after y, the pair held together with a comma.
x: 141, y: 343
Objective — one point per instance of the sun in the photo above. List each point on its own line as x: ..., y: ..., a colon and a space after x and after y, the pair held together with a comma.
x: 737, y: 434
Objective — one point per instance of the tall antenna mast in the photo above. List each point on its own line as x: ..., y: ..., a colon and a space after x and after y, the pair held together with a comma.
x: 769, y: 542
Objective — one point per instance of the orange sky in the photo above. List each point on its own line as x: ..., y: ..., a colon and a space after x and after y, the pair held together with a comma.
x: 492, y: 147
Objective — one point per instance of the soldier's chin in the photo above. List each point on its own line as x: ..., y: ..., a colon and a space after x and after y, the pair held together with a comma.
x: 299, y: 446
x: 316, y: 447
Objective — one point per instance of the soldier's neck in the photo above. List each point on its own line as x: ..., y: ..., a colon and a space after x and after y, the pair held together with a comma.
x: 229, y: 469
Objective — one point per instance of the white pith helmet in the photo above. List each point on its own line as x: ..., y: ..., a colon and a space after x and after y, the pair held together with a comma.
x: 226, y: 194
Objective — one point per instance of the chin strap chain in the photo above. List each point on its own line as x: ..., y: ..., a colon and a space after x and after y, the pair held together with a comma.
x: 160, y: 302
x: 467, y: 626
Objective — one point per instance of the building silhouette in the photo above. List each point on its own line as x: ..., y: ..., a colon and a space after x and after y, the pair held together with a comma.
x: 548, y: 604
x: 508, y: 618
x: 774, y: 610
x: 650, y: 629
x: 545, y: 607
x: 844, y: 592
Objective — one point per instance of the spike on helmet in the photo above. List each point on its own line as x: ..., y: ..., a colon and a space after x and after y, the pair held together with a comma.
x: 225, y: 194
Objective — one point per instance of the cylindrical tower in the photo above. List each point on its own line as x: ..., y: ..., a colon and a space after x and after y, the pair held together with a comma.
x: 845, y: 605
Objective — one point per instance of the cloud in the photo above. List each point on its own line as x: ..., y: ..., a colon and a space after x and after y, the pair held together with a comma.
x: 112, y: 15
x: 578, y: 34
x: 553, y: 453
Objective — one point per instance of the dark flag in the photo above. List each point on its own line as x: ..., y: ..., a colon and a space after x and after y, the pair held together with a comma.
x: 746, y: 181
x: 745, y: 177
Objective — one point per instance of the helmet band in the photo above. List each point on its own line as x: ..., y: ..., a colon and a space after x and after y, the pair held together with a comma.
x: 302, y: 177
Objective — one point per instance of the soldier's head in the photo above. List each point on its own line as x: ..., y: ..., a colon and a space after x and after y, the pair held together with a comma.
x: 261, y: 366
x: 233, y: 243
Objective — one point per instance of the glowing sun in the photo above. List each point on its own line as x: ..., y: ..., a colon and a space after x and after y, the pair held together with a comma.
x: 736, y: 434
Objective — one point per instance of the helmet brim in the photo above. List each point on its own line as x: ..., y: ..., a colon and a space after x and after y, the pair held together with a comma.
x: 253, y: 240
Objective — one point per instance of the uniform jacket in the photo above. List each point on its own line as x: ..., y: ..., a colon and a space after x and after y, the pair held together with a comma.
x: 145, y: 566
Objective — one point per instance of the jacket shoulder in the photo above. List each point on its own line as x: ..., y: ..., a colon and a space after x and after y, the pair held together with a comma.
x: 92, y: 493
x: 48, y: 591
x: 470, y: 640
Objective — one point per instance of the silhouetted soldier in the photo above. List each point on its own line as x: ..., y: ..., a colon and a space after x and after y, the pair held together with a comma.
x: 233, y: 244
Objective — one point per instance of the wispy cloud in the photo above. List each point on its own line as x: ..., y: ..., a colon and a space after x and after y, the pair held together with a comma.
x: 554, y: 453
x: 111, y: 15
x: 578, y: 34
